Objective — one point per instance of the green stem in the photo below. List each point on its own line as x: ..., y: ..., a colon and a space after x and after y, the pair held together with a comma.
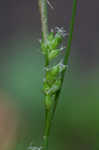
x: 49, y: 115
x: 71, y: 32
x: 47, y: 130
x: 67, y: 54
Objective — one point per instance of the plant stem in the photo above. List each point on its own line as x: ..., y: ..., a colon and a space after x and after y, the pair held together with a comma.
x: 47, y: 131
x: 44, y: 23
x: 67, y: 54
x: 44, y: 18
x: 49, y: 114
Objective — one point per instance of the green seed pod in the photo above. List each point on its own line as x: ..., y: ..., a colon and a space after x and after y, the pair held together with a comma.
x: 46, y: 87
x: 51, y: 36
x: 56, y: 86
x: 62, y: 67
x: 53, y: 54
x: 52, y: 73
x: 49, y: 77
x: 48, y: 102
x: 45, y: 47
x: 56, y: 41
x: 55, y: 70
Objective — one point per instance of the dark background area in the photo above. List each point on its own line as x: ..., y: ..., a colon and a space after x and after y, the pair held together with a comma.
x: 23, y: 17
x: 76, y: 125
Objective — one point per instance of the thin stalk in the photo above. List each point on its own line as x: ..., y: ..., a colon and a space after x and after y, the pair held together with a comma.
x: 44, y: 18
x: 44, y: 24
x: 67, y: 54
x: 47, y: 130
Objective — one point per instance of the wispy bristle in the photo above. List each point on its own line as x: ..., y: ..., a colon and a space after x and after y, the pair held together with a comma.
x: 50, y: 5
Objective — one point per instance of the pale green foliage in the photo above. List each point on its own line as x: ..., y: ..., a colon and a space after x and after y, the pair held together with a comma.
x: 51, y: 46
x: 51, y: 49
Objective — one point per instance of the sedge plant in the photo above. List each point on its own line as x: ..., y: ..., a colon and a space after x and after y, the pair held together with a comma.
x: 54, y: 72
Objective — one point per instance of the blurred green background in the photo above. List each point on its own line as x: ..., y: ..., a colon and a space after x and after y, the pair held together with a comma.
x: 76, y: 124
